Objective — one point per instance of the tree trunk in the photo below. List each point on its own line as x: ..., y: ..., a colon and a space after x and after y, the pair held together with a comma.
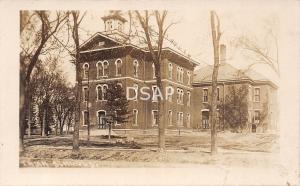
x: 29, y: 121
x: 161, y: 125
x: 216, y: 46
x: 44, y: 122
x: 22, y: 110
x: 77, y: 112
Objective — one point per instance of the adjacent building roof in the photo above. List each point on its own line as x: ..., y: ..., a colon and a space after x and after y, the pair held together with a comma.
x: 227, y: 72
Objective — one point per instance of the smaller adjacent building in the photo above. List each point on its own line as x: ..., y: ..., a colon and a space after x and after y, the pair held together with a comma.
x: 262, y: 96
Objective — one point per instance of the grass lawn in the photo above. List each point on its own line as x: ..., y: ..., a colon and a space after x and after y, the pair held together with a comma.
x: 190, y: 148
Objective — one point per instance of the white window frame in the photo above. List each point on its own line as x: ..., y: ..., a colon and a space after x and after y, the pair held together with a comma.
x: 178, y: 74
x: 181, y: 75
x: 182, y: 94
x: 189, y: 98
x: 189, y: 78
x: 135, y: 116
x: 85, y: 76
x: 97, y: 115
x: 97, y: 66
x: 257, y: 121
x: 153, y: 117
x: 180, y: 119
x: 97, y: 93
x: 116, y: 64
x: 170, y: 96
x: 103, y: 69
x: 136, y: 65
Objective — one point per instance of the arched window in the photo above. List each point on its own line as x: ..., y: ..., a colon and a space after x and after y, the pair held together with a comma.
x: 188, y: 77
x: 135, y: 68
x: 105, y: 68
x: 99, y: 69
x: 85, y: 70
x: 104, y: 92
x: 120, y: 85
x: 178, y: 74
x: 189, y: 99
x: 181, y: 75
x: 170, y: 70
x: 118, y: 67
x: 99, y: 92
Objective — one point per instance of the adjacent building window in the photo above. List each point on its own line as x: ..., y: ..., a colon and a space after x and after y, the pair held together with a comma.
x: 118, y: 67
x: 189, y: 78
x: 154, y: 117
x: 135, y: 68
x: 85, y: 71
x: 205, y: 119
x: 205, y: 95
x: 135, y: 117
x: 256, y: 116
x: 85, y: 93
x: 170, y: 70
x: 170, y: 117
x: 188, y: 98
x: 179, y: 118
x: 257, y: 94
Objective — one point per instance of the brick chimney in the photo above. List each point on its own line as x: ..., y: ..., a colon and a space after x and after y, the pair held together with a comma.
x: 222, y: 54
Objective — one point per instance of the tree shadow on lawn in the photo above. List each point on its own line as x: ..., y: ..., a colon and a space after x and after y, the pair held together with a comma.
x: 61, y: 142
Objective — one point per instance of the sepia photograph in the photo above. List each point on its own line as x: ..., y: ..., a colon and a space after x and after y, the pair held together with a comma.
x: 202, y: 90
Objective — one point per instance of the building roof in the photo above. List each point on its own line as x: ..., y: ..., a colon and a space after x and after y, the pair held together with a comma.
x: 227, y: 72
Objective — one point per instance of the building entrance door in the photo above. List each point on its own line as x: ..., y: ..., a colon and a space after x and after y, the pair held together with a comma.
x: 100, y: 120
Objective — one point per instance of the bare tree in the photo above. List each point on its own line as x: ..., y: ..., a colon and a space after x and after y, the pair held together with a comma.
x: 216, y: 35
x: 76, y: 19
x: 155, y: 47
x: 264, y: 51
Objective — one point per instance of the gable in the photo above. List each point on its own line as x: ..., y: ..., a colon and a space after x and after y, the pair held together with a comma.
x: 98, y: 41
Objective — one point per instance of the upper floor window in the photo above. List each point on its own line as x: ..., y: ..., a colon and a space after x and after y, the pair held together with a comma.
x: 188, y: 98
x: 153, y: 71
x: 85, y: 71
x: 85, y: 118
x: 181, y: 75
x: 178, y: 74
x: 99, y: 92
x: 104, y: 92
x: 218, y: 94
x: 85, y: 93
x: 118, y: 67
x: 135, y: 68
x: 170, y: 70
x: 102, y: 68
x: 188, y: 77
x: 257, y: 94
x: 179, y: 96
x: 170, y: 88
x: 205, y: 95
x: 136, y: 87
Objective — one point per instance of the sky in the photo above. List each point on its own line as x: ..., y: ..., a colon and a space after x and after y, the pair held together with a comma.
x: 192, y: 32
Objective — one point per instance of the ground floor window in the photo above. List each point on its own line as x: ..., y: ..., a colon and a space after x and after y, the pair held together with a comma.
x: 205, y: 119
x: 85, y: 118
x: 170, y: 117
x: 101, y: 119
x: 154, y: 117
x: 188, y: 120
x: 180, y: 118
x: 135, y: 117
